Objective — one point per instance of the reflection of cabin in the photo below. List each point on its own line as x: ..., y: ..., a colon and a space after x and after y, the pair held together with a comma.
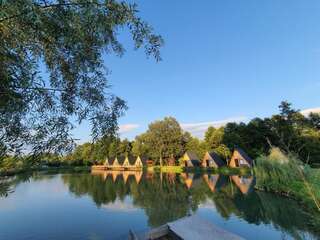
x: 212, y: 160
x: 215, y: 181
x: 240, y: 159
x: 118, y: 174
x: 245, y: 184
x: 191, y: 180
x: 187, y: 178
x: 190, y: 159
x: 138, y: 176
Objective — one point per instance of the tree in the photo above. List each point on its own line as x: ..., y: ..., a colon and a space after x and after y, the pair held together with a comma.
x: 67, y: 39
x: 314, y: 120
x: 193, y: 144
x: 162, y: 140
x: 125, y: 148
x: 140, y: 146
x: 214, y: 141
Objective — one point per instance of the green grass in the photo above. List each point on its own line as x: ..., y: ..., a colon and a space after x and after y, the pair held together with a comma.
x: 292, y: 179
x: 180, y: 169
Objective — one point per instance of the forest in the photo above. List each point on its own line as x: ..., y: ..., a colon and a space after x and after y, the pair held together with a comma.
x: 289, y: 130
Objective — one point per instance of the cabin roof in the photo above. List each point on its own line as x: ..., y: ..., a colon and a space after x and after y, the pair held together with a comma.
x: 215, y: 157
x: 144, y: 159
x: 131, y: 159
x: 121, y: 159
x: 243, y: 154
x: 110, y: 160
x: 192, y: 155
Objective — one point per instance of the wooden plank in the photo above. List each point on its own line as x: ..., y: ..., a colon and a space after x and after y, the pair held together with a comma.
x: 195, y: 228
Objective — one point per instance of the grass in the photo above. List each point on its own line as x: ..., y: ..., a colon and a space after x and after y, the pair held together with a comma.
x: 180, y: 169
x: 290, y: 178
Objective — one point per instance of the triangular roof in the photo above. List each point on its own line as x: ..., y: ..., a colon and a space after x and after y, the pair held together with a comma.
x: 118, y: 161
x: 128, y: 161
x: 121, y: 159
x: 190, y: 155
x: 131, y: 159
x: 214, y: 157
x: 143, y: 158
x: 110, y: 161
x: 243, y: 154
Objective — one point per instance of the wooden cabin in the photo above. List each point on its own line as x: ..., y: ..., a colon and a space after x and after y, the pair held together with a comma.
x: 190, y: 159
x: 108, y: 163
x: 240, y: 159
x: 118, y: 163
x: 142, y: 161
x: 212, y: 160
x: 129, y: 162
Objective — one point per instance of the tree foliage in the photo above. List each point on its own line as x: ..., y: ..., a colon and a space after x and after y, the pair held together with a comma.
x: 162, y: 140
x: 66, y: 39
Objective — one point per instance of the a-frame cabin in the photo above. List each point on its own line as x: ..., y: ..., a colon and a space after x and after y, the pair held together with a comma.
x: 212, y: 160
x: 190, y: 159
x: 240, y: 159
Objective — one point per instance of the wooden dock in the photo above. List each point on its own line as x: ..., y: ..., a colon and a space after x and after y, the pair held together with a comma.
x: 187, y: 228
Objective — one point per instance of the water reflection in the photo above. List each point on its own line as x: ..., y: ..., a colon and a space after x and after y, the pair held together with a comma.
x: 167, y: 197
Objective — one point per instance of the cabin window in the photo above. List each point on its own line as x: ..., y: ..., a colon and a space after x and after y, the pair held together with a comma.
x: 243, y: 162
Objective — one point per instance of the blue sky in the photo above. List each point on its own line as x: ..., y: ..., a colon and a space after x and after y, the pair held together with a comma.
x: 222, y: 61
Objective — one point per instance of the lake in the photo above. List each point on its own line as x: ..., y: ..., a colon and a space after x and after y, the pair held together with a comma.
x: 106, y: 205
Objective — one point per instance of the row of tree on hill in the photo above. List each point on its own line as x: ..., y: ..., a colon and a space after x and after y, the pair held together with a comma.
x: 290, y: 131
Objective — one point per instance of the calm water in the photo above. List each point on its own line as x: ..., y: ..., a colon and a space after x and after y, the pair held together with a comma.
x: 106, y: 205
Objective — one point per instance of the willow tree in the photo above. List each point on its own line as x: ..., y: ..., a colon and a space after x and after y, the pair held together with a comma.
x: 67, y: 39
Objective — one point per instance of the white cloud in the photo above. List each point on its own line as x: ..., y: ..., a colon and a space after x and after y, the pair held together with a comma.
x: 306, y: 112
x: 198, y: 129
x: 125, y: 128
x: 120, y: 206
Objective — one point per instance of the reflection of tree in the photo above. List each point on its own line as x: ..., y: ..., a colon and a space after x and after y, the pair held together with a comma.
x: 163, y: 200
x: 7, y: 185
x: 102, y: 191
x: 260, y: 207
x: 168, y: 198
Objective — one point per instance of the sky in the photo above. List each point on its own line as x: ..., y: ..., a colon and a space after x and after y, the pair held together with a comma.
x: 223, y: 61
